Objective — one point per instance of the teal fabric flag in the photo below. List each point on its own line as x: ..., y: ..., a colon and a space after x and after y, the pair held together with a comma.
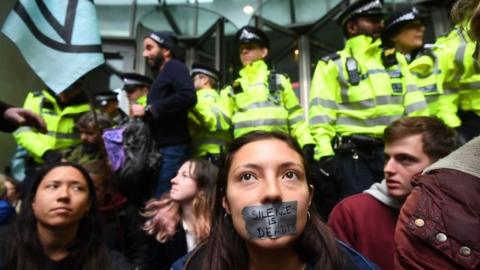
x: 59, y: 39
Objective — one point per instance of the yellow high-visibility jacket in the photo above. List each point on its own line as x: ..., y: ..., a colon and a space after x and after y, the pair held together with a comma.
x: 252, y: 105
x: 60, y: 125
x: 209, y: 124
x: 364, y: 100
x: 462, y: 76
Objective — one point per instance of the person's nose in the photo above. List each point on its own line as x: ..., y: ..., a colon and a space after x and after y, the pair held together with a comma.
x: 63, y: 194
x: 174, y: 180
x: 389, y: 168
x: 145, y: 53
x: 272, y: 190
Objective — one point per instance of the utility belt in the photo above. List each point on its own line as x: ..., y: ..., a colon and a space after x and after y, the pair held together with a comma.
x: 357, y: 143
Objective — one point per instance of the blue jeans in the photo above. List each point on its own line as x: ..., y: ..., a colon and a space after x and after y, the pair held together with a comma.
x: 172, y: 159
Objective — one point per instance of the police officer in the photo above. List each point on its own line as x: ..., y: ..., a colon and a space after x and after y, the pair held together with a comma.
x: 59, y: 112
x: 404, y: 31
x: 208, y: 121
x: 461, y: 79
x: 261, y: 99
x: 136, y: 86
x: 107, y: 102
x: 352, y: 100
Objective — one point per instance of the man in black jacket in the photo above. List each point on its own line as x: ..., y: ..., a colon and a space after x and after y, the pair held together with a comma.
x: 171, y: 96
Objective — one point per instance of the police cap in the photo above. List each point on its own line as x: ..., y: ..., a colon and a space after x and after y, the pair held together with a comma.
x: 201, y: 69
x: 165, y: 39
x: 251, y: 34
x: 361, y: 8
x: 102, y: 98
x: 401, y: 17
x: 132, y: 80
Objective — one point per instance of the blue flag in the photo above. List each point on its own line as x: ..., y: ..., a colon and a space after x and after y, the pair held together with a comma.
x: 59, y: 39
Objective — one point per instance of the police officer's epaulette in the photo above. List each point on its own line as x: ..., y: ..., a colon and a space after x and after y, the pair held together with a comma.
x: 389, y: 57
x: 333, y: 56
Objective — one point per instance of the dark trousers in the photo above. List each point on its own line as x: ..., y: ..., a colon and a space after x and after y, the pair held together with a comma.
x: 358, y: 163
x: 360, y: 169
x: 172, y: 159
x: 470, y: 127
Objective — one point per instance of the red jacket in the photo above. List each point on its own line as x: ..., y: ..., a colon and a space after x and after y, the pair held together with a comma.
x: 368, y: 226
x: 439, y: 224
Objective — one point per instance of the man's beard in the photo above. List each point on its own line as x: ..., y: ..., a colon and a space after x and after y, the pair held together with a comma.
x: 90, y: 147
x: 156, y: 62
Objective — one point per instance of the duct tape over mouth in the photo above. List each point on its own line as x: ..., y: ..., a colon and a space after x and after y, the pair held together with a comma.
x: 270, y: 220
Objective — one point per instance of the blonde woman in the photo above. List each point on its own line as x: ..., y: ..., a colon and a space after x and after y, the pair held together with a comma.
x: 180, y: 219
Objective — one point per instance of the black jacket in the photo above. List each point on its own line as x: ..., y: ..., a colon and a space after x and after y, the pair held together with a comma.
x: 162, y: 256
x: 171, y: 96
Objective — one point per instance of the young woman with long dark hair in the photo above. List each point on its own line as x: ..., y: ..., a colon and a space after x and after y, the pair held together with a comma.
x: 57, y: 227
x: 263, y: 217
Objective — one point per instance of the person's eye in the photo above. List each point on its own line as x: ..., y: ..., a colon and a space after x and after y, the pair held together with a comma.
x: 406, y: 160
x: 291, y: 175
x: 247, y: 177
x: 78, y: 188
x: 51, y: 186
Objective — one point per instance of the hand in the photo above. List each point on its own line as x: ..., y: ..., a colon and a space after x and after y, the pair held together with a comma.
x: 327, y: 167
x: 23, y: 117
x: 137, y: 110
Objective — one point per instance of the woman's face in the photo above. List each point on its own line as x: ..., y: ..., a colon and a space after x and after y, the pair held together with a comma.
x: 410, y: 37
x: 263, y: 173
x: 62, y: 198
x: 184, y: 186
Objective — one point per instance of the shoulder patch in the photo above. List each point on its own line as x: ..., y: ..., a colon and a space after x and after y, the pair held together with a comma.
x: 332, y: 56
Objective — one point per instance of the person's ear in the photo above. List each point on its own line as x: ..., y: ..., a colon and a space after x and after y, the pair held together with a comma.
x: 225, y: 205
x: 311, y: 191
x: 264, y: 52
x: 33, y: 204
x: 352, y: 28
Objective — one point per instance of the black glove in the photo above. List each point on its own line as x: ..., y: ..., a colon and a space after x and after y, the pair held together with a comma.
x: 327, y: 168
x: 51, y: 156
x: 327, y: 178
x: 308, y: 152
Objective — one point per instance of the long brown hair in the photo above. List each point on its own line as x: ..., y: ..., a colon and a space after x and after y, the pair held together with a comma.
x: 227, y: 250
x: 24, y: 249
x: 164, y: 213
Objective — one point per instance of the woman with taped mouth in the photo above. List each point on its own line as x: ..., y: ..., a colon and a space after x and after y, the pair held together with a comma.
x: 263, y: 216
x: 58, y: 228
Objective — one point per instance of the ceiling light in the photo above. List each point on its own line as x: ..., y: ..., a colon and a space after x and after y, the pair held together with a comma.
x: 248, y: 9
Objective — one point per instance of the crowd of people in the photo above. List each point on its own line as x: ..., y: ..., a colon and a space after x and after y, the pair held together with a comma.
x: 382, y: 175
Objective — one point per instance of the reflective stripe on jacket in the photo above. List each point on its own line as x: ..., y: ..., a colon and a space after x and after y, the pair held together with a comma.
x: 60, y: 125
x: 339, y: 107
x: 253, y: 107
x: 461, y: 78
x: 209, y: 124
